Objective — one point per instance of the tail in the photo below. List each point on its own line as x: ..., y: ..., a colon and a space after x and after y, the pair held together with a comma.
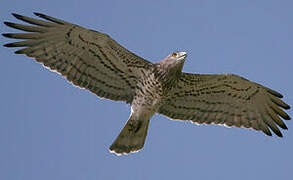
x: 132, y: 136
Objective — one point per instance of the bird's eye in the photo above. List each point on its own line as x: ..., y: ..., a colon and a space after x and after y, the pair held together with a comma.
x: 174, y: 54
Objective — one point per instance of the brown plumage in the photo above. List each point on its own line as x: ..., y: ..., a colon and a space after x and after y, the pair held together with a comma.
x: 94, y: 61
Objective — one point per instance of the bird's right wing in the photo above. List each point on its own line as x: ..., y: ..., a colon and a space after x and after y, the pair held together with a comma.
x: 87, y: 58
x: 226, y: 99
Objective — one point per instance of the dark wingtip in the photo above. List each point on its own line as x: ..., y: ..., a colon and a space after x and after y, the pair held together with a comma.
x: 16, y: 15
x: 286, y: 116
x: 278, y: 133
x: 8, y: 45
x: 7, y: 23
x: 8, y: 35
x: 275, y: 93
x: 39, y: 14
x: 19, y: 51
x: 283, y: 125
x: 268, y: 133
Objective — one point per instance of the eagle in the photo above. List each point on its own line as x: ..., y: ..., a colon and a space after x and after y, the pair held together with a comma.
x: 94, y: 61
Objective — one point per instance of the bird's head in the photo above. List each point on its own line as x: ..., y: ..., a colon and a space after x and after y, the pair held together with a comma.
x: 173, y: 61
x: 172, y: 65
x: 175, y: 58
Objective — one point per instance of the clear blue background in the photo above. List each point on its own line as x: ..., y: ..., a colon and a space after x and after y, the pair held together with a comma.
x: 50, y: 130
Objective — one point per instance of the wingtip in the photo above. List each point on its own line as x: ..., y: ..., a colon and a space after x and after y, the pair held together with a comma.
x: 16, y: 15
x: 279, y: 95
x: 8, y: 35
x: 7, y: 23
x: 267, y: 132
x: 38, y: 14
x: 8, y: 45
x: 41, y: 15
x: 275, y: 93
x: 286, y: 116
x: 19, y: 51
x: 279, y: 134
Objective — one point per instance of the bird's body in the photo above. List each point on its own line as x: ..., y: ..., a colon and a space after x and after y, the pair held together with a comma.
x: 94, y: 61
x: 151, y: 91
x: 147, y: 99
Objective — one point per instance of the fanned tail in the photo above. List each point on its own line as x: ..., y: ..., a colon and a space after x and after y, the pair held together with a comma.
x: 132, y: 137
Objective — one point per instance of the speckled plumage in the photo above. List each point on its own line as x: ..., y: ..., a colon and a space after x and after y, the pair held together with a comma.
x: 94, y: 61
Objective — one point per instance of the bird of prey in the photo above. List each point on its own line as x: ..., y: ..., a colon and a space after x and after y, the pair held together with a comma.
x: 94, y: 61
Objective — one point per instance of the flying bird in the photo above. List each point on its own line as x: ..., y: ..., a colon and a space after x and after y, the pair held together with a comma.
x: 94, y: 61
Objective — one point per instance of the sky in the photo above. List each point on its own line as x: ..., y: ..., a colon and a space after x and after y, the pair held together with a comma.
x: 52, y: 130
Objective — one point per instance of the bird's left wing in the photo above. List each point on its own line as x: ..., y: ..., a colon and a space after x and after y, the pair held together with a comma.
x: 226, y: 99
x: 87, y: 58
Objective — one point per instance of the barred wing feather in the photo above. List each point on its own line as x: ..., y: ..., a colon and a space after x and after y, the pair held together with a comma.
x: 87, y: 58
x: 226, y: 99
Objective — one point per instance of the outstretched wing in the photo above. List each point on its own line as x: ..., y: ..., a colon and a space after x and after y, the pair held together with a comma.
x: 226, y: 99
x: 87, y: 58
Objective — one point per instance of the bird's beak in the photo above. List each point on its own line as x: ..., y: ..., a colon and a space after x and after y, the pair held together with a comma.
x: 182, y: 56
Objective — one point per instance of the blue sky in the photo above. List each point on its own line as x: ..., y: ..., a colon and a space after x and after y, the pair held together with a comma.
x: 52, y: 130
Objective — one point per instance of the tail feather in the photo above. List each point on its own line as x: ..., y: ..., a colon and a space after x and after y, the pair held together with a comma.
x: 132, y: 136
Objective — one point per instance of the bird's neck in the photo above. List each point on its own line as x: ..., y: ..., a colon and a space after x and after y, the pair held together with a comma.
x: 167, y: 76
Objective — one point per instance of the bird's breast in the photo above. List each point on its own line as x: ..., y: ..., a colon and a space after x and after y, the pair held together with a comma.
x: 148, y: 96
